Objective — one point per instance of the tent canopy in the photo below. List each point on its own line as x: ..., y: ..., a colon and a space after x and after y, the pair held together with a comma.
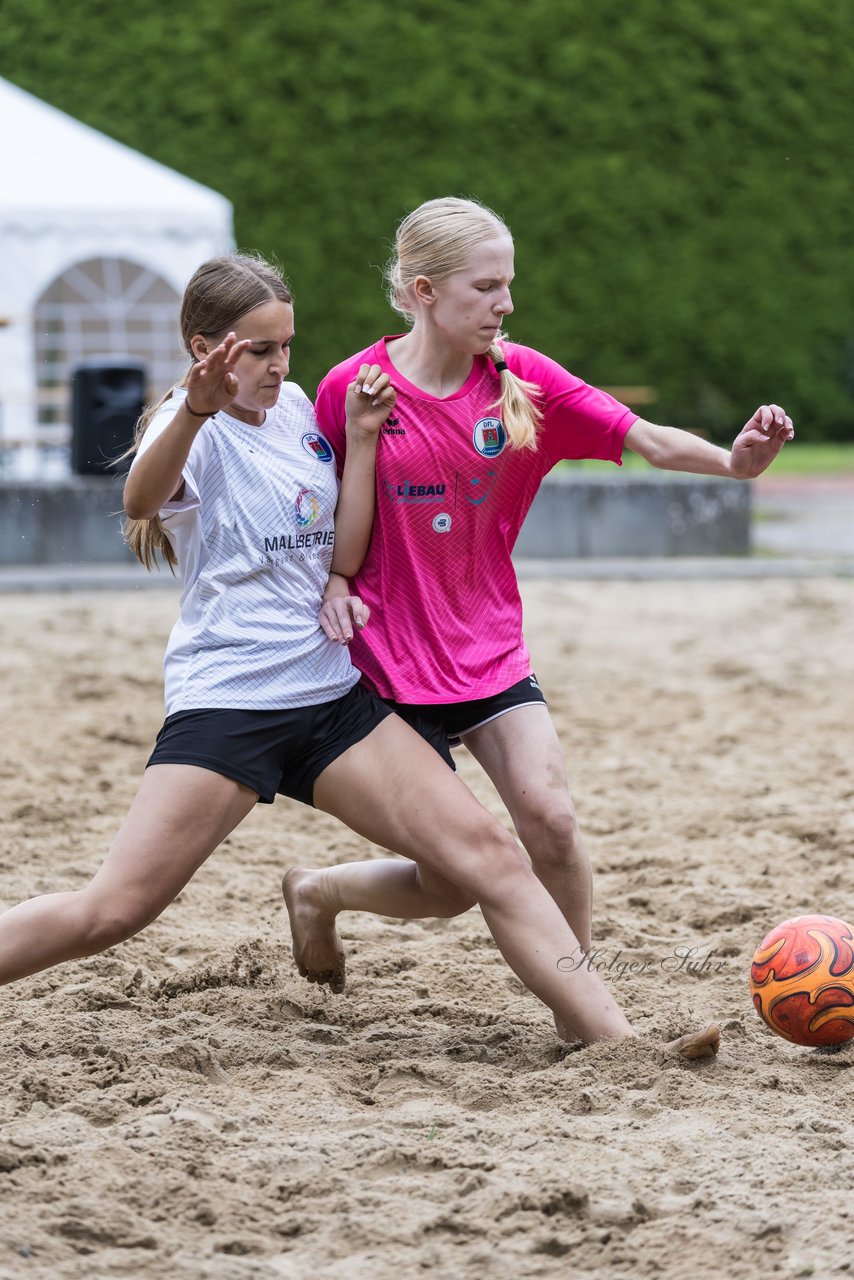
x: 53, y: 162
x: 96, y: 245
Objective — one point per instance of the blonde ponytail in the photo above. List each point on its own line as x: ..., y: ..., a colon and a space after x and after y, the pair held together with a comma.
x: 516, y: 406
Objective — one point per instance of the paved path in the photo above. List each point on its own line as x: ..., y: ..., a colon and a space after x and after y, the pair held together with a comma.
x: 59, y: 577
x: 804, y: 516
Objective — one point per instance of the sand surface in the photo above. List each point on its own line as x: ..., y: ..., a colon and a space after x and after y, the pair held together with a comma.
x: 184, y: 1106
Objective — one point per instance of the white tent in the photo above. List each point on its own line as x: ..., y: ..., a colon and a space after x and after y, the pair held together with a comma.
x: 96, y: 244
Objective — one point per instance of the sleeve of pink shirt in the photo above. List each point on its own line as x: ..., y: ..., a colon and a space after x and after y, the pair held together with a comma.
x: 579, y: 421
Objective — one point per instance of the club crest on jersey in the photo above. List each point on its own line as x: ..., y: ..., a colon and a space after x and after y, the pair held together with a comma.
x: 307, y: 508
x: 317, y: 446
x: 489, y: 437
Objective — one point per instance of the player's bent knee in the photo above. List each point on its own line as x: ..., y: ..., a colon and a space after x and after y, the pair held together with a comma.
x: 107, y: 923
x: 551, y: 834
x: 443, y: 898
x: 498, y: 868
x: 448, y: 905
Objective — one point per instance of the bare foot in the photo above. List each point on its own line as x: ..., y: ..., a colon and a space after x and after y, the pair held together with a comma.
x: 697, y: 1044
x: 317, y: 948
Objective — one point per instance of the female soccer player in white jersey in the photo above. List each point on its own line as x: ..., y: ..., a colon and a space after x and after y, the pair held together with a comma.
x: 478, y: 423
x: 233, y: 481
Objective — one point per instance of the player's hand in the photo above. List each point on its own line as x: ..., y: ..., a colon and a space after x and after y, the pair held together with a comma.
x: 341, y: 615
x: 212, y: 383
x: 370, y: 399
x: 759, y: 441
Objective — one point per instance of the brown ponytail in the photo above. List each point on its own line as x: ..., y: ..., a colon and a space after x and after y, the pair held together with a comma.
x: 147, y: 538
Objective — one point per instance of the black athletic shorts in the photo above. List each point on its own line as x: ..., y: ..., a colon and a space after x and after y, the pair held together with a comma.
x: 442, y: 724
x: 272, y: 752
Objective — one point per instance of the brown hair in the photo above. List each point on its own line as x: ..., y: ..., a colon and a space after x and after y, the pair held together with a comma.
x: 218, y: 294
x: 436, y: 240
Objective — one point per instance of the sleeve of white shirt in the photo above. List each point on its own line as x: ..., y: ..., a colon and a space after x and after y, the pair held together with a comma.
x: 194, y: 465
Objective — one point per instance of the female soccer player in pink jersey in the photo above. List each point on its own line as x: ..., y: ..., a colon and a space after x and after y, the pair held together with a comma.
x: 479, y: 421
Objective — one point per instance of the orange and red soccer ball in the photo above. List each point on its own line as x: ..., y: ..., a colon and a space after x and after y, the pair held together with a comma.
x: 802, y: 980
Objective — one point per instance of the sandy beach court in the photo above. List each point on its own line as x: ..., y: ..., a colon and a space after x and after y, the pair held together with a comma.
x: 184, y: 1107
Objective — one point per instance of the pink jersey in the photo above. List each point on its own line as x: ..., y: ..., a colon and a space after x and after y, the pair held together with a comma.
x: 446, y: 620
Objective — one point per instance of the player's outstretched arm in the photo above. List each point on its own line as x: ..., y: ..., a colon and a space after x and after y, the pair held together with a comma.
x: 754, y: 449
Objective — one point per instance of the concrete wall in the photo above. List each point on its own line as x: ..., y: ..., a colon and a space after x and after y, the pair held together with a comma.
x: 65, y: 522
x: 575, y: 515
x: 578, y: 514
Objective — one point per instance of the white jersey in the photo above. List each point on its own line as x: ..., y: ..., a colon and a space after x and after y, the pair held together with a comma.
x: 253, y: 536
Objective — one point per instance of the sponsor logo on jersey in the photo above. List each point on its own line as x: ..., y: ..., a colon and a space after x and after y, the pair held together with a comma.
x: 407, y: 492
x: 479, y: 491
x: 489, y: 437
x: 298, y: 541
x: 317, y: 446
x: 307, y: 508
x: 442, y: 522
x: 392, y: 427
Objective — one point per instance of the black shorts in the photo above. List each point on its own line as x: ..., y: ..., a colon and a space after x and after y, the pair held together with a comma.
x: 442, y: 724
x: 272, y: 752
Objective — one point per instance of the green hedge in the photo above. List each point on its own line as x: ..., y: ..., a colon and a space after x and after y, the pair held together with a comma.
x: 677, y: 173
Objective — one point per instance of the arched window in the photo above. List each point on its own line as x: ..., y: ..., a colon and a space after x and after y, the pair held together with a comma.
x: 103, y: 308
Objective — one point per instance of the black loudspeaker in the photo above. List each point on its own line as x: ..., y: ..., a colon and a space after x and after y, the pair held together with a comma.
x: 106, y: 401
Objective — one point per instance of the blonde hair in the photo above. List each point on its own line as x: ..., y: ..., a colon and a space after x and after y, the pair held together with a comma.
x: 220, y: 292
x: 435, y: 240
